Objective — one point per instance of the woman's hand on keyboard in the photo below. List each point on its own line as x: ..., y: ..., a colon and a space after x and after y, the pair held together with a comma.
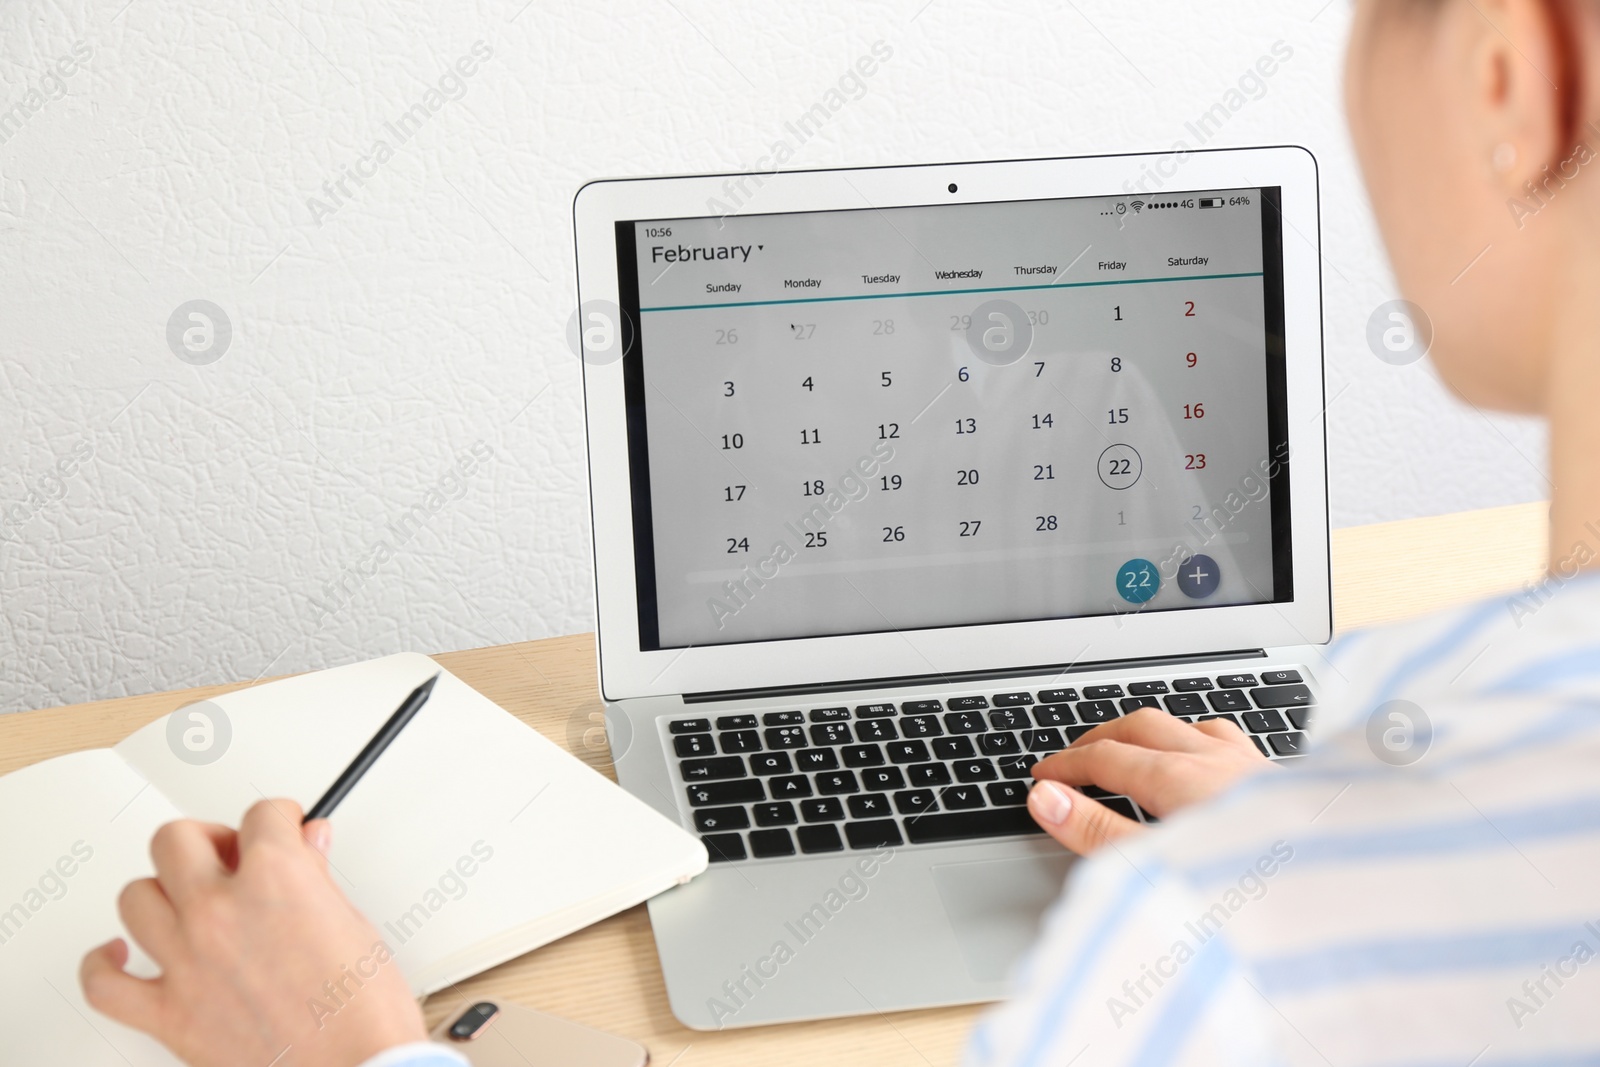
x: 1163, y: 764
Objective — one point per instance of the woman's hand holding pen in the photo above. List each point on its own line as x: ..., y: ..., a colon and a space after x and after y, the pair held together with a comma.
x: 216, y: 919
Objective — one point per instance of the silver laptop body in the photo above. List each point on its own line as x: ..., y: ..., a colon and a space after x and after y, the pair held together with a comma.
x: 904, y: 478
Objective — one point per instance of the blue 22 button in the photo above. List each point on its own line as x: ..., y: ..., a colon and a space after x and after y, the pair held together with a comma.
x: 1138, y: 581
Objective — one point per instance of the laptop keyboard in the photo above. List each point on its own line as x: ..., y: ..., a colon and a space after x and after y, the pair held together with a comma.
x: 769, y: 784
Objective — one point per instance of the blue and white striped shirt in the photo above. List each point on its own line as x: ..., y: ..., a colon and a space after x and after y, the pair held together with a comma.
x: 1357, y: 908
x: 418, y: 1054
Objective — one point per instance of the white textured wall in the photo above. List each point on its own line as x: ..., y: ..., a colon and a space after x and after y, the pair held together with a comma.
x: 386, y: 335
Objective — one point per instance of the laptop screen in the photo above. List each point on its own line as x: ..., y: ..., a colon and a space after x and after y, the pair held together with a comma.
x: 877, y: 420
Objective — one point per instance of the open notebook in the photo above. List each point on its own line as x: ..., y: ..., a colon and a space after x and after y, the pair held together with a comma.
x: 551, y: 845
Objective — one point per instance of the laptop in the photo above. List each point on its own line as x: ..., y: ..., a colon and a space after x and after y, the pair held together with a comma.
x: 904, y: 478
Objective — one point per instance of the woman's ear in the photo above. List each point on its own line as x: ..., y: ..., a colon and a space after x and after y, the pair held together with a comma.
x: 1457, y: 107
x: 1516, y: 64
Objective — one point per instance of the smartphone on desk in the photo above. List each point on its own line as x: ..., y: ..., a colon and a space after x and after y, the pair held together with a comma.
x: 494, y: 1034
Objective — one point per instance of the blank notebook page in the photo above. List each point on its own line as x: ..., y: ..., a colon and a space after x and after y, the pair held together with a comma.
x: 470, y: 828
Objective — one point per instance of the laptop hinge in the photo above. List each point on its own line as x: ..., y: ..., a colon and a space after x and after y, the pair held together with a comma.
x: 929, y: 680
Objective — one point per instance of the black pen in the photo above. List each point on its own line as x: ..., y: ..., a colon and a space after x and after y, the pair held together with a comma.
x: 368, y: 756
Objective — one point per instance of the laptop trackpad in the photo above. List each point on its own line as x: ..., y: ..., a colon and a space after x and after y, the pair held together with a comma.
x: 994, y: 907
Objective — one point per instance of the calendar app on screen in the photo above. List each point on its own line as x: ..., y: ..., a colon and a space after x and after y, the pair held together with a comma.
x: 892, y: 419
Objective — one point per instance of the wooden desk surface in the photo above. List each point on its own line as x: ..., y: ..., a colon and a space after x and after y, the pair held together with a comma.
x: 607, y: 975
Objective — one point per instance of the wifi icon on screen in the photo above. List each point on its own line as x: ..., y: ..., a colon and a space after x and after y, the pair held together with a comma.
x: 1138, y: 206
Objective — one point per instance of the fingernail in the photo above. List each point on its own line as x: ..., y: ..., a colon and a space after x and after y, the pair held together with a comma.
x: 321, y: 836
x: 1051, y: 802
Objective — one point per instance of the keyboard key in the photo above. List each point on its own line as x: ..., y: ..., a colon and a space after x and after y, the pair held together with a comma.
x: 908, y: 752
x: 764, y: 763
x: 929, y: 774
x: 1101, y: 692
x: 1280, y: 677
x: 694, y: 745
x: 921, y: 726
x: 1075, y: 732
x: 1053, y: 715
x: 1008, y: 720
x: 1260, y: 745
x: 1288, y: 744
x: 690, y: 726
x: 869, y: 806
x: 1192, y: 685
x: 786, y: 737
x: 1132, y: 704
x: 1043, y: 740
x: 915, y: 802
x: 789, y: 787
x: 837, y: 782
x: 830, y: 733
x: 1122, y: 806
x: 740, y: 741
x: 1096, y: 711
x: 875, y: 730
x: 1146, y: 689
x: 879, y: 833
x: 723, y: 848
x: 768, y: 843
x: 961, y: 797
x: 999, y: 745
x: 1146, y: 816
x: 883, y: 779
x: 862, y: 755
x: 953, y: 748
x: 1228, y: 700
x: 1094, y: 792
x: 1018, y: 766
x: 1282, y: 696
x: 1236, y: 681
x: 1058, y: 696
x: 975, y: 770
x: 780, y: 813
x: 817, y: 759
x: 829, y: 714
x: 1231, y: 718
x: 1300, y: 718
x: 819, y: 839
x: 917, y: 707
x: 1005, y: 794
x: 707, y: 770
x: 823, y: 809
x: 708, y: 819
x: 783, y: 718
x: 742, y: 791
x: 1261, y: 722
x: 1011, y: 700
x: 874, y: 711
x: 965, y: 722
x: 1186, y: 704
x: 736, y: 722
x: 962, y: 825
x: 966, y: 703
